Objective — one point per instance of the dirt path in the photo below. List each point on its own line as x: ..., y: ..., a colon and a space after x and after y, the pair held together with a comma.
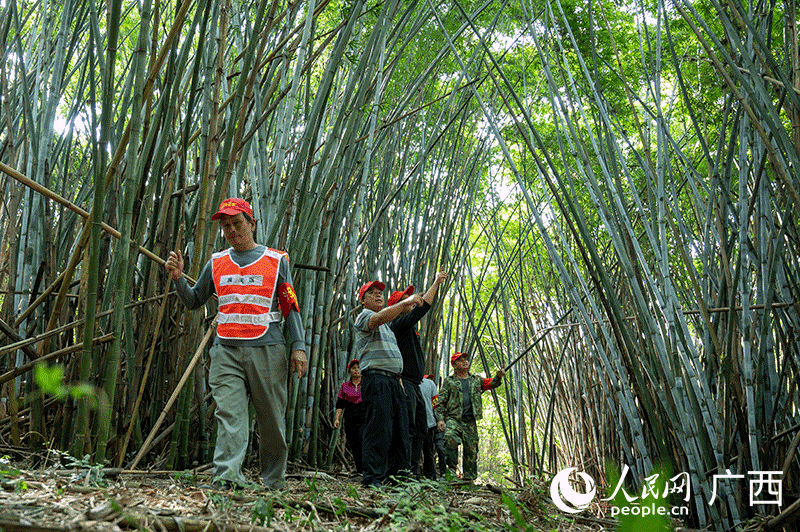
x: 85, y: 498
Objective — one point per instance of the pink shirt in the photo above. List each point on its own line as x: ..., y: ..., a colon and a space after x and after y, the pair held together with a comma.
x: 350, y: 392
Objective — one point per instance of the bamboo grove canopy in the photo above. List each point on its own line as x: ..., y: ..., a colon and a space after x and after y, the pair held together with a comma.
x: 612, y: 186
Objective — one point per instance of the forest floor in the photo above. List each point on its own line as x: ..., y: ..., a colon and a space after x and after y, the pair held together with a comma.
x: 80, y: 497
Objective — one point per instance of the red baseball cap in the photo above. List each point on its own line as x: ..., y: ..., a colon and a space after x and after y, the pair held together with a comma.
x: 397, y: 296
x: 455, y: 356
x: 363, y: 289
x: 232, y: 207
x: 350, y: 364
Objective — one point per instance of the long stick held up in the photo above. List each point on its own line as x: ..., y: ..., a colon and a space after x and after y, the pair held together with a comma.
x: 536, y: 342
x: 46, y: 192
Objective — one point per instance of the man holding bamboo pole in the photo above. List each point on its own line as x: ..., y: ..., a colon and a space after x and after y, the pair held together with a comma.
x: 248, y: 358
x: 457, y: 411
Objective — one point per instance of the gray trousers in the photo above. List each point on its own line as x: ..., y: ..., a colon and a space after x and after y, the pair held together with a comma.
x: 238, y: 375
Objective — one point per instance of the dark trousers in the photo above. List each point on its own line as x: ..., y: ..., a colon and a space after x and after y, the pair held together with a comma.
x: 385, y: 430
x: 417, y: 424
x: 429, y: 453
x: 438, y: 443
x: 352, y: 429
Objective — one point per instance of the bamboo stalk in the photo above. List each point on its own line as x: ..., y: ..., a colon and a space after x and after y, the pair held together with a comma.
x: 189, y: 368
x: 23, y: 343
x: 142, y: 386
x: 77, y: 210
x: 7, y: 376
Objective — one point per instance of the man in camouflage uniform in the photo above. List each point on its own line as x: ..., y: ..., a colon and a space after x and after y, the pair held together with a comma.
x: 458, y: 409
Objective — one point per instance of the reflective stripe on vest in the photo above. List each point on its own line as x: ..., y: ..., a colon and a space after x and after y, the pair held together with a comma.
x: 246, y: 294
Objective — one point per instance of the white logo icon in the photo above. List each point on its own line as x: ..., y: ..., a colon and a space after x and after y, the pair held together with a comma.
x: 567, y: 499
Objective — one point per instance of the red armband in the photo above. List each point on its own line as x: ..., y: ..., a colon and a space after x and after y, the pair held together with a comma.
x: 287, y: 298
x: 486, y: 384
x: 434, y: 400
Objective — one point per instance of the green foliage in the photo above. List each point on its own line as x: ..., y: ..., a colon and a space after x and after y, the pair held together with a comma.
x: 517, y: 514
x: 314, y: 490
x: 220, y: 501
x: 86, y: 472
x: 187, y: 476
x: 418, y: 504
x: 51, y: 382
x: 288, y: 511
x: 494, y: 459
x: 263, y: 511
x: 116, y: 506
x: 339, y: 506
x: 6, y: 471
x: 11, y: 475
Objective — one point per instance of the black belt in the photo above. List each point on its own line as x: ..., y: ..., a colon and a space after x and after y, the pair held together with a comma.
x: 382, y: 372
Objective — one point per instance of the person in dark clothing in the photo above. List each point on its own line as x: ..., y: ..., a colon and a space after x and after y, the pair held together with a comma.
x: 441, y: 453
x: 384, y: 436
x: 414, y: 364
x: 350, y: 403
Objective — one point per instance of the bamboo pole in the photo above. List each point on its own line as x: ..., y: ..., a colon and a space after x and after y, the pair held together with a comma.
x: 535, y: 342
x: 189, y: 368
x: 142, y: 386
x: 20, y: 343
x: 77, y: 210
x: 7, y: 376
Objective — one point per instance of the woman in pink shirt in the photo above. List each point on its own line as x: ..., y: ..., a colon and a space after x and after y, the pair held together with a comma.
x: 349, y: 401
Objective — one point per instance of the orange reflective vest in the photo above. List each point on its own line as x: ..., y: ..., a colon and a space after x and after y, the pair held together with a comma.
x: 246, y: 294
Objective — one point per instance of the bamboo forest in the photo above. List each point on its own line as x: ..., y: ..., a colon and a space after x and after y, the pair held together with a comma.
x: 611, y: 186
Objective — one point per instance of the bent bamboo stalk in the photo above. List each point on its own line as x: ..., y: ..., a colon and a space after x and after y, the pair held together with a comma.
x: 22, y: 343
x: 33, y: 185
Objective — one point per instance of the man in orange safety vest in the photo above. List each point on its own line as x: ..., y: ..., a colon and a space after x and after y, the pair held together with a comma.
x: 248, y: 358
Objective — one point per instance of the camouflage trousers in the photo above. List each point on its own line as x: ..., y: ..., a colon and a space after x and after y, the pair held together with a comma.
x: 464, y: 434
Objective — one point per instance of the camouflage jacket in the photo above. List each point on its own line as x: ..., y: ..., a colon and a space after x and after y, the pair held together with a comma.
x: 449, y: 403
